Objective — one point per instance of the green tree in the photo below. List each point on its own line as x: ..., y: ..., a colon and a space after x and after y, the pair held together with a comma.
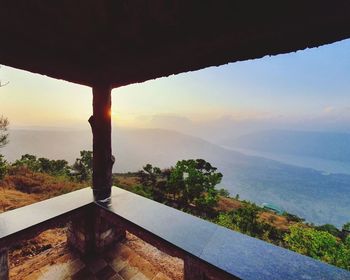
x: 149, y: 176
x: 330, y: 229
x: 293, y: 218
x: 82, y: 168
x: 317, y: 244
x: 193, y: 183
x: 143, y: 191
x: 4, y: 123
x: 346, y: 226
x: 342, y: 259
x: 224, y: 192
x: 247, y: 220
x: 225, y: 220
x: 53, y: 167
x: 29, y: 161
x: 3, y: 167
x: 154, y: 182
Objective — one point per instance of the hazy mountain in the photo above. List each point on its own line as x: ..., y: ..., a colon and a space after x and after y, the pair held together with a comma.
x: 309, y: 193
x: 323, y: 145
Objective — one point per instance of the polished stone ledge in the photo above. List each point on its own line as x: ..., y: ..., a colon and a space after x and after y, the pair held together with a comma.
x: 235, y: 253
x: 211, y: 245
x: 21, y: 219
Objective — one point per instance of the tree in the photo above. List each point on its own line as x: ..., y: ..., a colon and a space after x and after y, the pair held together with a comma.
x: 246, y: 220
x: 82, y: 168
x: 4, y: 123
x: 320, y: 245
x: 29, y: 161
x: 44, y: 165
x: 346, y: 226
x: 330, y: 229
x: 193, y: 183
x: 293, y: 218
x: 3, y: 141
x: 149, y: 176
x: 53, y: 167
x: 3, y: 167
x: 153, y: 181
x: 224, y: 192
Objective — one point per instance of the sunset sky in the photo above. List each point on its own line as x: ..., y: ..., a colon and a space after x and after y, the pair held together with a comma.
x: 311, y: 86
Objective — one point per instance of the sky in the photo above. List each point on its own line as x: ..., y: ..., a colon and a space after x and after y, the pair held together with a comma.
x: 308, y: 90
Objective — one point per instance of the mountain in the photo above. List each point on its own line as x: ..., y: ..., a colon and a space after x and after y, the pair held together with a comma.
x: 316, y: 196
x: 323, y: 145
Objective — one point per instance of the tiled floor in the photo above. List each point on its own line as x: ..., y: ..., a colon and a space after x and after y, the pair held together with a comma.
x: 122, y: 262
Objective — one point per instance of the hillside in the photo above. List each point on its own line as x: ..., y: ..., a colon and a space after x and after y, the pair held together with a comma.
x: 319, y: 198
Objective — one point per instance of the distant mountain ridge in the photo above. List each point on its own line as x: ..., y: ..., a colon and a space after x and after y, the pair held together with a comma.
x: 324, y: 145
x: 306, y: 192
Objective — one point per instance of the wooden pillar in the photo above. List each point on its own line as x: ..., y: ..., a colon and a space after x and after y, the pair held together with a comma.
x: 101, y: 127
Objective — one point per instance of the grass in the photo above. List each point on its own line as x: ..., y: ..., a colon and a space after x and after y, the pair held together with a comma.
x: 23, y: 187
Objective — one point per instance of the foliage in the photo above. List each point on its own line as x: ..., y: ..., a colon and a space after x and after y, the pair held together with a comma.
x: 347, y: 226
x: 330, y: 229
x: 53, y: 167
x: 3, y: 131
x: 224, y: 193
x: 225, y: 220
x: 318, y: 244
x: 193, y: 183
x: 80, y: 171
x: 143, y: 191
x: 190, y: 184
x: 342, y: 259
x: 154, y: 180
x: 246, y: 220
x: 293, y: 218
x: 28, y: 161
x: 149, y: 175
x: 44, y: 165
x: 82, y: 168
x: 3, y: 167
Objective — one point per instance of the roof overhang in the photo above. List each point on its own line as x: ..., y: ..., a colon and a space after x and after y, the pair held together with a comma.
x: 119, y: 42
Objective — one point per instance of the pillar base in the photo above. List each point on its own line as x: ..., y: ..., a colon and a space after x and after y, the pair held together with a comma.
x: 101, y: 194
x: 93, y: 234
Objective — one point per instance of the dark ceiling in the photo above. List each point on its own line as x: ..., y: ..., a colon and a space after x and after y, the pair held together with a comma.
x: 119, y: 42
